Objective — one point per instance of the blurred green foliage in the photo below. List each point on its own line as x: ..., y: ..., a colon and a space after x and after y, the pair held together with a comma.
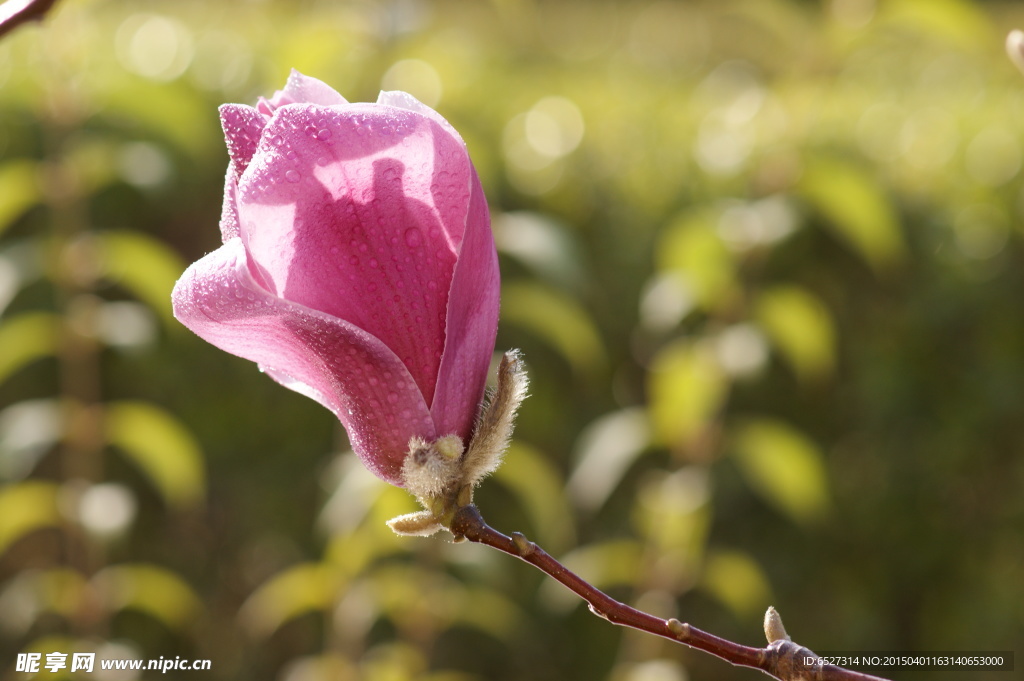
x: 765, y: 262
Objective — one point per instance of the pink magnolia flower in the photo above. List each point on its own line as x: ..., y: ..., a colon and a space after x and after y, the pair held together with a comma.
x: 358, y: 265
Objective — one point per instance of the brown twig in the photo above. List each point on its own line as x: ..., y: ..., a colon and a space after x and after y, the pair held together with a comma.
x: 781, y: 659
x: 13, y: 13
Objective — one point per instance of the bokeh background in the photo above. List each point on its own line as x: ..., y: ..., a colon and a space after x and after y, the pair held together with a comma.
x: 765, y: 261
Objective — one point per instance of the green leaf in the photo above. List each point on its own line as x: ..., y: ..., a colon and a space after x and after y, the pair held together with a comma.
x: 300, y: 589
x: 145, y: 267
x: 605, y: 450
x: 960, y: 23
x: 686, y: 388
x: 19, y: 190
x: 674, y: 515
x: 173, y: 111
x: 557, y: 319
x: 409, y: 595
x: 161, y: 447
x: 61, y: 591
x: 538, y: 485
x: 26, y: 338
x: 607, y: 564
x: 151, y: 589
x: 801, y: 327
x: 735, y: 579
x: 26, y: 507
x: 784, y: 467
x: 856, y: 207
x: 692, y: 248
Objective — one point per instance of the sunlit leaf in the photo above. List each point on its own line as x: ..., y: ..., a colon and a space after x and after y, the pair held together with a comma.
x: 145, y: 267
x: 26, y: 338
x: 61, y: 590
x: 161, y: 447
x: 150, y: 589
x: 541, y: 244
x: 557, y: 319
x: 854, y: 205
x: 691, y: 247
x: 19, y: 190
x: 32, y: 593
x: 28, y: 430
x: 800, y: 325
x: 686, y: 388
x: 605, y: 450
x: 300, y: 589
x: 605, y: 564
x: 26, y: 507
x: 393, y: 661
x: 326, y: 667
x: 784, y: 467
x: 169, y: 110
x: 411, y: 594
x: 735, y: 579
x: 351, y: 553
x: 539, y: 487
x: 488, y: 610
x: 674, y: 515
x: 959, y: 22
x: 48, y: 644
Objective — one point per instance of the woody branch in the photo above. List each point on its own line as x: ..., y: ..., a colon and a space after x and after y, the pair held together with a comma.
x: 781, y: 658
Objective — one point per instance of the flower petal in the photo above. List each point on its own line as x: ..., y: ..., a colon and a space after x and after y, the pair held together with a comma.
x: 359, y: 212
x: 243, y: 127
x: 300, y: 88
x: 472, y: 324
x: 344, y: 368
x: 229, y: 227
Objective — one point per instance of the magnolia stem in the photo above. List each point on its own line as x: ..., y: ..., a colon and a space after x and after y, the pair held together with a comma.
x: 781, y: 659
x: 16, y: 12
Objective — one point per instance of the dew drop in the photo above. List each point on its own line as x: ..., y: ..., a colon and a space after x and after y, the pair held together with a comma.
x: 393, y: 398
x: 432, y: 285
x: 374, y: 263
x: 323, y: 135
x: 291, y: 155
x: 292, y: 176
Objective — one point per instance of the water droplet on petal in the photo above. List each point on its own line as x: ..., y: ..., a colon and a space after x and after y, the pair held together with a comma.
x: 292, y: 176
x: 393, y: 398
x: 323, y: 135
x: 374, y: 263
